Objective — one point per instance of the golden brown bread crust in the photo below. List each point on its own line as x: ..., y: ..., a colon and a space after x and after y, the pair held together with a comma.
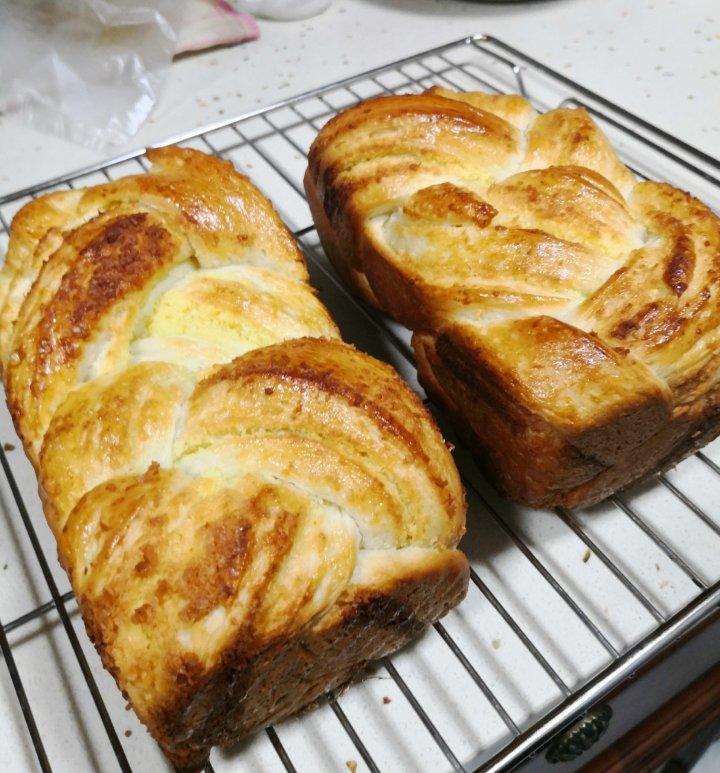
x: 565, y: 314
x: 249, y: 510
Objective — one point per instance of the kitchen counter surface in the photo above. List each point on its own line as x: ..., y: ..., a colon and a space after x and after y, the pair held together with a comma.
x: 657, y: 58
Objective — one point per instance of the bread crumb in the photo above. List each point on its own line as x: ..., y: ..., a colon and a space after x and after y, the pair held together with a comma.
x: 586, y: 556
x: 127, y: 707
x: 128, y: 733
x: 8, y: 446
x: 386, y: 700
x: 351, y: 765
x: 664, y: 583
x: 657, y: 567
x: 496, y: 644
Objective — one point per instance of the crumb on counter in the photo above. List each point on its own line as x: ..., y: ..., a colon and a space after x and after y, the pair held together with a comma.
x: 128, y: 733
x: 386, y: 700
x: 586, y: 556
x: 496, y: 644
x: 351, y: 765
x: 8, y: 446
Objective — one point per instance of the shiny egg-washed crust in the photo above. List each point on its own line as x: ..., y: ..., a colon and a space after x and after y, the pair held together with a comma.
x: 566, y: 315
x: 249, y: 510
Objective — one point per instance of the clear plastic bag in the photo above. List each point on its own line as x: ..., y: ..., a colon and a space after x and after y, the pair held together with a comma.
x: 87, y: 70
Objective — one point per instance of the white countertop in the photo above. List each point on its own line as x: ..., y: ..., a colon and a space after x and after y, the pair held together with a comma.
x: 632, y: 51
x: 657, y: 58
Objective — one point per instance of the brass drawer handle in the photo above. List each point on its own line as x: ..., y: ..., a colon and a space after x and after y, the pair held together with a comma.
x: 580, y: 736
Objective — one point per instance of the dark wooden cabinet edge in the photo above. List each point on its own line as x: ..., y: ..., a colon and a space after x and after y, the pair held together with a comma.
x: 657, y: 738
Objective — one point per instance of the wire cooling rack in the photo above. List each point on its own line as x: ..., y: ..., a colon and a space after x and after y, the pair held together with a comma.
x: 563, y: 606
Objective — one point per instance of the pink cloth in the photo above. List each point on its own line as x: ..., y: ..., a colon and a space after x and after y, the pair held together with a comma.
x: 209, y: 23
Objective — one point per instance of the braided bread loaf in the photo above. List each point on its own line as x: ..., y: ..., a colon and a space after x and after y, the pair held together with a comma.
x: 565, y: 314
x: 248, y: 509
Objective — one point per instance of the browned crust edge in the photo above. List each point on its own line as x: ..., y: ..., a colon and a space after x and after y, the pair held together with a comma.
x: 258, y: 684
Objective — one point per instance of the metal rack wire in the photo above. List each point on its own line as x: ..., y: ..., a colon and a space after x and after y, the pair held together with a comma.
x: 276, y: 139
